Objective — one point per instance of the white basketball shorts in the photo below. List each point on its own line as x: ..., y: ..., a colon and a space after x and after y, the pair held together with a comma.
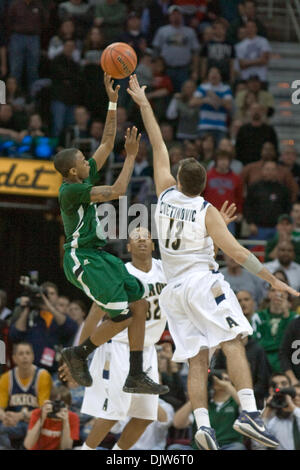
x: 109, y: 369
x: 202, y: 312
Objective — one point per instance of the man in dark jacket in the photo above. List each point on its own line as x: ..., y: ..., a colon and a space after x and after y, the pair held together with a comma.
x: 65, y: 75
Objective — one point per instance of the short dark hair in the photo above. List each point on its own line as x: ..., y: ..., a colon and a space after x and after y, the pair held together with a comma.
x: 192, y: 177
x: 278, y: 374
x: 222, y: 154
x: 21, y: 343
x: 65, y: 160
x: 47, y: 284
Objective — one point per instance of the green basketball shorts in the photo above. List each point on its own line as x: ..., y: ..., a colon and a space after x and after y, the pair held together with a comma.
x: 104, y: 278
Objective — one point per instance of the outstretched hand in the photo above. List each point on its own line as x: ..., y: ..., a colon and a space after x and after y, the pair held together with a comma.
x: 132, y: 141
x: 111, y: 93
x: 228, y: 212
x: 279, y: 285
x: 137, y: 92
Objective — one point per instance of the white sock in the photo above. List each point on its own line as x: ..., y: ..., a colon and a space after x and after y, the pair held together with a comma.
x: 85, y: 447
x: 247, y: 399
x: 116, y: 447
x: 201, y: 417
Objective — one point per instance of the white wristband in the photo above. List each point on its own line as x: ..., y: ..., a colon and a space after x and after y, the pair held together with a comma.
x: 112, y: 106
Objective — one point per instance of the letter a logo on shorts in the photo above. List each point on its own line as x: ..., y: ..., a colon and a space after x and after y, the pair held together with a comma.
x: 231, y: 322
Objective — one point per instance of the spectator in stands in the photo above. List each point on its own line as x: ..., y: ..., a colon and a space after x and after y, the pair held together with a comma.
x: 14, y: 95
x: 257, y: 132
x: 288, y: 160
x: 271, y: 325
x: 144, y: 70
x: 208, y: 150
x: 22, y: 389
x: 96, y: 132
x: 179, y: 47
x: 253, y: 54
x: 56, y: 44
x: 265, y: 202
x: 285, y: 262
x: 289, y: 351
x: 65, y: 75
x: 94, y: 95
x: 176, y: 154
x: 9, y: 125
x: 167, y: 131
x: 247, y: 12
x: 45, y: 328
x: 263, y: 97
x: 253, y: 171
x: 53, y: 433
x: 26, y: 20
x: 161, y: 88
x: 223, y: 410
x: 284, y: 423
x: 80, y: 13
x: 62, y: 304
x: 247, y: 304
x: 5, y: 312
x: 93, y: 46
x: 186, y: 115
x: 80, y: 129
x: 295, y: 213
x: 3, y: 52
x: 241, y: 280
x: 257, y: 358
x: 218, y: 53
x: 224, y: 185
x: 77, y: 311
x: 154, y: 16
x: 225, y: 145
x: 284, y: 232
x: 133, y: 34
x: 111, y: 16
x: 35, y: 128
x: 215, y: 101
x: 243, y: 112
x: 169, y: 375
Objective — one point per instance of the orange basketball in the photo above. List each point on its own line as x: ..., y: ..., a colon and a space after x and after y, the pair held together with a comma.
x: 118, y: 60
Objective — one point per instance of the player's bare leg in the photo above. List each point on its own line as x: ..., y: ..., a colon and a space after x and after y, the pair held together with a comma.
x: 249, y: 422
x: 137, y: 381
x: 132, y: 432
x: 197, y: 390
x: 237, y: 365
x: 99, y: 431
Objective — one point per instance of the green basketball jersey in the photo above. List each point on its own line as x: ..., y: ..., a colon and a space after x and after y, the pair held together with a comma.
x: 81, y: 223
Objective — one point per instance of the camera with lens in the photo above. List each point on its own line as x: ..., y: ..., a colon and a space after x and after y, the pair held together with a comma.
x: 211, y: 374
x: 32, y: 289
x: 278, y: 401
x: 57, y: 405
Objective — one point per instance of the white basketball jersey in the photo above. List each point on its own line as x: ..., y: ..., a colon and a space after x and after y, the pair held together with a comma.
x: 184, y: 243
x: 156, y: 320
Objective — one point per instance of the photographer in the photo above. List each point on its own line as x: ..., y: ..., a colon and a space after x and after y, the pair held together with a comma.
x: 53, y: 426
x: 41, y: 324
x: 282, y: 415
x: 223, y: 409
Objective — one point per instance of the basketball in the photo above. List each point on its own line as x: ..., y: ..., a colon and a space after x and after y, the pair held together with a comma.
x: 118, y: 60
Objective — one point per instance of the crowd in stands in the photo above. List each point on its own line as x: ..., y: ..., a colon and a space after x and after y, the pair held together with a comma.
x: 205, y: 65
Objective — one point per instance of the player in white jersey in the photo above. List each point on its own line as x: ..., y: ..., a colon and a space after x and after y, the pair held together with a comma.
x: 203, y: 312
x: 105, y: 399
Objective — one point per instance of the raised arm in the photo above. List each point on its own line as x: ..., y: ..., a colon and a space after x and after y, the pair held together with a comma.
x: 108, y: 138
x: 108, y: 193
x: 222, y: 238
x: 161, y: 163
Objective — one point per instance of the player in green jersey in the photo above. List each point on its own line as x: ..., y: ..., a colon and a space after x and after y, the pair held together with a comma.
x: 100, y: 275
